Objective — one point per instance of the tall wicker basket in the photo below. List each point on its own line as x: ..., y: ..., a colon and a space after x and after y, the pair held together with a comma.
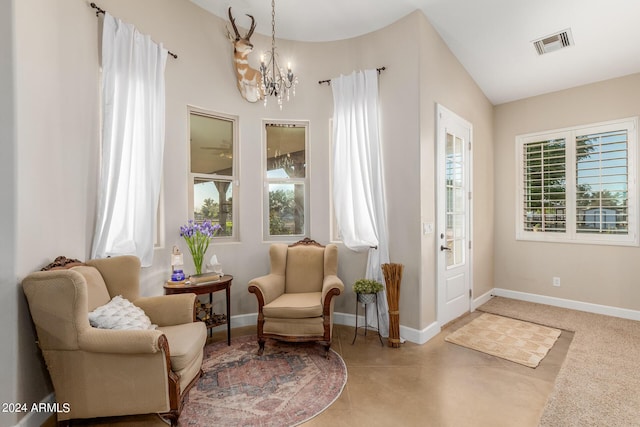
x: 393, y: 277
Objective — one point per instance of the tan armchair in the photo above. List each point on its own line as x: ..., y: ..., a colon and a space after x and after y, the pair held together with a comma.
x: 108, y: 372
x: 295, y: 301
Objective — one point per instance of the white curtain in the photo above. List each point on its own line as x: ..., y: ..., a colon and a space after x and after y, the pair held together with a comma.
x: 132, y: 142
x: 358, y: 184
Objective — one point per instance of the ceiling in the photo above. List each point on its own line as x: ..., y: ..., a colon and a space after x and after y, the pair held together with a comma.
x: 491, y: 38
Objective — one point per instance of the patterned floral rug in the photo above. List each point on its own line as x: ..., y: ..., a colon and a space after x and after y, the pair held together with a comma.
x: 286, y: 386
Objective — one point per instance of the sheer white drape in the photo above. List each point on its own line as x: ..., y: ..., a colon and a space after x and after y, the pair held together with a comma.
x: 132, y: 142
x: 358, y: 184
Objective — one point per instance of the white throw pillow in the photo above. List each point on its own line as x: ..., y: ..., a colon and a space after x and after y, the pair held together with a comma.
x: 120, y: 313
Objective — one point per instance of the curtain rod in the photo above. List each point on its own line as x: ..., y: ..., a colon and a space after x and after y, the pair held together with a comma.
x: 328, y: 82
x: 99, y: 10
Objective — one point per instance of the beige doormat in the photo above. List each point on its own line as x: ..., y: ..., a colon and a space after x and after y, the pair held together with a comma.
x: 521, y: 342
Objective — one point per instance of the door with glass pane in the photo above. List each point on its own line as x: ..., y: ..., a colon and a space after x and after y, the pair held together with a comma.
x: 454, y: 215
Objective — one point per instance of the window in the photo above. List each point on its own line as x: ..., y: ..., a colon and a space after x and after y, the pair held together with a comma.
x: 213, y: 185
x: 286, y: 194
x: 579, y: 184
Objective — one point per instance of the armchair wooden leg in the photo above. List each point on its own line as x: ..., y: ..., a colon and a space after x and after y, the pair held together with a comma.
x: 172, y: 417
x: 327, y: 347
x: 261, y: 344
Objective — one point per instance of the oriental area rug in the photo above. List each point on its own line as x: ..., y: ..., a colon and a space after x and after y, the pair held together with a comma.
x: 286, y: 386
x: 515, y: 340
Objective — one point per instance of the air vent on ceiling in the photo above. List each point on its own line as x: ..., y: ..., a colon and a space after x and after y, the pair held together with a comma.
x: 554, y: 42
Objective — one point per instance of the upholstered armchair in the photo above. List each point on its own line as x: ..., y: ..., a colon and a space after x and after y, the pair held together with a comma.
x: 295, y: 301
x: 112, y: 372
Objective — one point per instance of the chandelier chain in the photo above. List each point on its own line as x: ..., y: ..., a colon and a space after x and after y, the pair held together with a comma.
x: 275, y: 81
x: 273, y: 25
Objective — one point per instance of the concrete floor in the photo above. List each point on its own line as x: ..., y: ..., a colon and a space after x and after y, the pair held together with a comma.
x: 434, y: 384
x: 438, y: 384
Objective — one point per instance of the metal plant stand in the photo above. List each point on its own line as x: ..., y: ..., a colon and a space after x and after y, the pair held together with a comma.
x: 367, y: 299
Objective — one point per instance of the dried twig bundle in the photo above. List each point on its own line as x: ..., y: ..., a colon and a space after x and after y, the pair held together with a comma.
x: 393, y: 277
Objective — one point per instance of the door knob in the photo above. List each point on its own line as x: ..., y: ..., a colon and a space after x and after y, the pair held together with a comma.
x: 444, y: 248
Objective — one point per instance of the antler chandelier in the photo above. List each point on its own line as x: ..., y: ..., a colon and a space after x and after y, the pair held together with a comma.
x: 275, y: 82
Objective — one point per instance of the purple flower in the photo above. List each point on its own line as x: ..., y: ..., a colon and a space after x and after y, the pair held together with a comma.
x: 198, y: 236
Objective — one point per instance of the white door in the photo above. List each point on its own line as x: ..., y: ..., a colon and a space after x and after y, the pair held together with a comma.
x: 453, y: 215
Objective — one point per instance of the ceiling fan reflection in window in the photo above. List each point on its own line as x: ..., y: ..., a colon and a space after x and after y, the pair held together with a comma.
x: 223, y: 149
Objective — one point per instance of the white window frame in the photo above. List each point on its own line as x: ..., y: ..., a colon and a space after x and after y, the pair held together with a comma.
x: 570, y: 235
x: 266, y: 181
x: 336, y: 236
x: 234, y: 237
x: 158, y: 235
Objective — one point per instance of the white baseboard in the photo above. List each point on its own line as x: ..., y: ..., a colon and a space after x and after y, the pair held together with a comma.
x: 420, y: 336
x: 571, y: 304
x: 36, y: 419
x: 347, y: 319
x: 409, y: 334
x: 424, y: 335
x: 238, y: 321
x: 477, y: 302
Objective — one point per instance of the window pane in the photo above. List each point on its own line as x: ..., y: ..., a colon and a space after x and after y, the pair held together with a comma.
x: 456, y: 196
x: 212, y: 200
x: 286, y: 209
x: 545, y: 186
x: 602, y: 183
x: 286, y: 157
x: 211, y: 145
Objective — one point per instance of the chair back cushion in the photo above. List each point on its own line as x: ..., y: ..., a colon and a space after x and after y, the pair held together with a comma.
x: 305, y: 269
x: 121, y: 275
x: 331, y: 260
x: 97, y: 293
x: 58, y: 305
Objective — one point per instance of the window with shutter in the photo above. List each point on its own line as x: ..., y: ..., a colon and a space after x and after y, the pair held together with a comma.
x: 602, y: 183
x: 545, y: 199
x: 578, y: 184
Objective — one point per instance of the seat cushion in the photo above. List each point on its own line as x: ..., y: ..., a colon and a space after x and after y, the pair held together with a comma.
x: 186, y: 342
x: 295, y: 306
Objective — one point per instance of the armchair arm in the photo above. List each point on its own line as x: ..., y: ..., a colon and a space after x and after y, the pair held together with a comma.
x: 120, y: 341
x: 168, y: 310
x: 329, y: 283
x: 268, y: 287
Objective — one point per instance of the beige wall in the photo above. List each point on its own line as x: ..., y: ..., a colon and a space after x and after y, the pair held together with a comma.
x: 606, y: 275
x: 57, y: 148
x: 9, y: 290
x: 444, y: 81
x: 55, y: 156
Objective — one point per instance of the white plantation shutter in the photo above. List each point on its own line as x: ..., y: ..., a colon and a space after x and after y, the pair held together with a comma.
x: 578, y: 185
x: 545, y: 199
x: 602, y: 181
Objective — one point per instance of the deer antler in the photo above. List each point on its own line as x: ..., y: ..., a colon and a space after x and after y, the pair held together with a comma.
x: 233, y: 24
x: 253, y: 27
x: 235, y: 29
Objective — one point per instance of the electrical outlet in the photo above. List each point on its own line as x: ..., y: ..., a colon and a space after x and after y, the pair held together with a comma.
x: 556, y: 281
